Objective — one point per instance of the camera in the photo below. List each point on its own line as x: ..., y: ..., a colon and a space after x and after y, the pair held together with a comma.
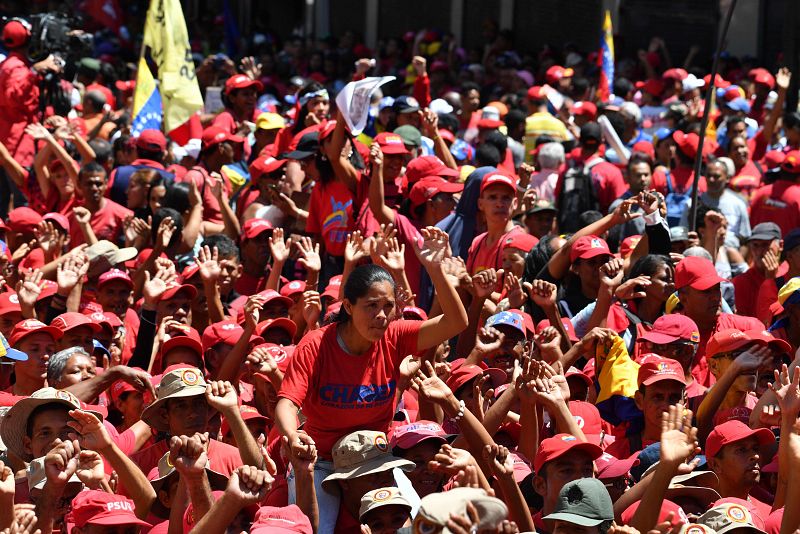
x: 58, y: 34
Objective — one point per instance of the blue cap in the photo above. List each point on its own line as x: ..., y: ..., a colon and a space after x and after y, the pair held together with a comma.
x: 99, y: 346
x: 661, y: 134
x: 739, y: 104
x: 461, y: 150
x: 507, y: 318
x: 385, y: 102
x: 11, y: 354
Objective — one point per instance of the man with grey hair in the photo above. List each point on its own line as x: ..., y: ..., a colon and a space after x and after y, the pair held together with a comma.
x: 633, y: 133
x: 550, y: 157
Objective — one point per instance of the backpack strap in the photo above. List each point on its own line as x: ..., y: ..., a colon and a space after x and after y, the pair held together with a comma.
x: 670, y: 188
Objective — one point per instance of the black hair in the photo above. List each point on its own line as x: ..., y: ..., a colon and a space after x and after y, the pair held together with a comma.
x: 359, y: 283
x: 648, y: 264
x: 731, y: 121
x: 39, y: 410
x: 639, y: 157
x: 579, y: 86
x: 791, y: 120
x: 163, y: 213
x: 91, y: 168
x: 487, y: 155
x: 622, y: 86
x: 617, y: 122
x: 155, y: 155
x: 226, y: 247
x: 514, y: 118
x: 538, y: 257
x: 699, y: 221
x: 466, y: 87
x: 324, y: 167
x: 177, y: 197
x: 448, y: 121
x: 588, y: 217
x: 300, y: 121
x: 498, y: 140
x: 102, y: 150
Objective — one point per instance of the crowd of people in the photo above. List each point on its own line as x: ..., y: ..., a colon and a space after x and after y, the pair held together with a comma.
x: 494, y: 310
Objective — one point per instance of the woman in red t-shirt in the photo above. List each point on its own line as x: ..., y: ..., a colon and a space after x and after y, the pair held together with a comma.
x: 345, y: 375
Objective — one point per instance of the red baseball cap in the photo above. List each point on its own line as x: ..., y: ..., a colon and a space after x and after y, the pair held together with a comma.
x: 658, y: 369
x: 248, y: 413
x: 585, y: 108
x: 23, y: 220
x: 189, y: 272
x: 414, y: 313
x: 190, y: 338
x: 114, y: 274
x: 697, y: 273
x: 264, y: 165
x: 464, y: 373
x: 522, y: 241
x: 227, y: 332
x: 332, y: 290
x: 537, y: 92
x: 790, y: 164
x: 574, y: 371
x: 587, y: 247
x: 254, y: 227
x: 275, y: 520
x: 9, y: 303
x: 94, y: 507
x: 241, y: 81
x: 424, y: 166
x: 177, y: 288
x: 653, y: 86
x: 152, y: 141
x: 16, y: 33
x: 104, y: 319
x: 544, y: 323
x: 32, y: 326
x: 559, y: 445
x: 407, y: 436
x: 214, y: 135
x: 667, y: 507
x: 391, y: 143
x: 271, y: 294
x: 733, y: 431
x: 49, y: 288
x: 628, y: 245
x: 675, y: 74
x: 495, y: 178
x: 671, y: 328
x: 588, y: 419
x: 763, y: 76
x: 688, y: 144
x: 280, y: 322
x: 719, y: 81
x: 727, y: 340
x: 556, y: 72
x: 609, y: 466
x: 293, y: 288
x: 766, y: 338
x: 430, y: 186
x: 58, y: 219
x: 69, y: 320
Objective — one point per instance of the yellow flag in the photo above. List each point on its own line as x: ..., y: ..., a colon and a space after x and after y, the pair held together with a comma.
x: 166, y: 35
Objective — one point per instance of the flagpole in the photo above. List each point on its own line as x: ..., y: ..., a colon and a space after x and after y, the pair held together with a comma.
x: 698, y: 160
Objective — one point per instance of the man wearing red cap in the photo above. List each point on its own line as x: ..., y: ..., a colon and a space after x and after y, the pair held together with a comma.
x: 733, y: 452
x: 100, y: 214
x: 95, y: 512
x: 698, y: 286
x: 779, y: 202
x: 674, y: 336
x: 661, y: 384
x: 256, y: 252
x: 219, y: 147
x: 497, y: 202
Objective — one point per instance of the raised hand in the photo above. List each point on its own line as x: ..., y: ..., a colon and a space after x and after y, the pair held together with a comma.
x: 47, y: 237
x: 548, y: 341
x: 514, y: 290
x: 499, y: 460
x: 261, y: 361
x: 61, y: 462
x: 429, y: 386
x: 787, y: 391
x: 37, y: 131
x: 678, y: 436
x: 623, y: 213
x: 279, y: 249
x: 434, y: 247
x: 25, y: 520
x: 300, y: 462
x: 450, y: 460
x: 376, y: 157
x: 90, y: 469
x: 488, y: 340
x: 221, y: 396
x: 91, y: 432
x: 312, y: 307
x: 455, y: 270
x: 355, y: 251
x: 249, y: 485
x: 155, y: 286
x: 309, y: 254
x: 30, y: 287
x: 166, y: 229
x: 249, y: 67
x: 188, y: 454
x: 753, y: 359
x: 82, y: 216
x: 771, y: 262
x: 7, y: 485
x: 783, y: 78
x: 380, y: 242
x: 611, y: 273
x: 208, y: 261
x: 633, y: 288
x: 484, y: 283
x: 70, y: 272
x: 301, y: 446
x: 430, y: 123
x: 393, y: 258
x: 252, y: 311
x: 543, y: 294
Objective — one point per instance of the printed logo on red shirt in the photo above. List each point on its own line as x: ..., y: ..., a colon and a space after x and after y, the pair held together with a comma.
x: 357, y: 396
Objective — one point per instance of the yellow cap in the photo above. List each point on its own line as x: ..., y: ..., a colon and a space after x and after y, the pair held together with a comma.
x: 269, y: 121
x: 465, y: 171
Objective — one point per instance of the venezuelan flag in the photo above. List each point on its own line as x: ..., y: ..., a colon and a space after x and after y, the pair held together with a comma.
x: 605, y: 60
x: 146, y: 101
x: 617, y: 384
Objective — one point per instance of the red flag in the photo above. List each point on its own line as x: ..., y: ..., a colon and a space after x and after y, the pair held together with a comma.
x: 191, y: 129
x: 106, y: 12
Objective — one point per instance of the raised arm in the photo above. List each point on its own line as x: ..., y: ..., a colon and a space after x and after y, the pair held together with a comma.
x: 383, y: 213
x: 334, y: 149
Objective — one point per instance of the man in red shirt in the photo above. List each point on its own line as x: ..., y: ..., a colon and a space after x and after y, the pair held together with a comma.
x: 765, y: 237
x: 105, y: 216
x: 675, y: 336
x: 779, y: 202
x: 732, y: 452
x: 698, y: 286
x: 497, y: 202
x: 255, y: 253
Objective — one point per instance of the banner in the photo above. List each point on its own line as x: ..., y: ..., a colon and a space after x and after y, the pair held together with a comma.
x: 166, y: 35
x: 146, y: 101
x: 605, y: 60
x: 353, y: 101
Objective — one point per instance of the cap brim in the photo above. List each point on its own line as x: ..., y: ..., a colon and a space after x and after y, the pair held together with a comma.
x: 574, y: 519
x: 376, y: 465
x: 124, y: 254
x: 395, y: 149
x: 117, y: 518
x: 701, y: 493
x: 658, y: 338
x: 618, y: 468
x: 411, y: 440
x: 16, y: 355
x: 762, y: 237
x: 706, y: 282
x: 593, y: 253
x: 660, y: 378
x: 149, y: 413
x: 297, y: 154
